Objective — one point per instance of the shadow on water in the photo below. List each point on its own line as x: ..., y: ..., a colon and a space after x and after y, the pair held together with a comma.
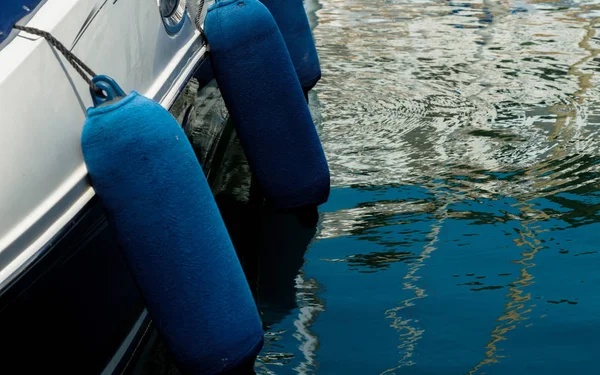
x: 271, y: 247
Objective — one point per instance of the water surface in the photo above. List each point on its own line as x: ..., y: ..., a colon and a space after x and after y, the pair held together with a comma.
x: 461, y: 233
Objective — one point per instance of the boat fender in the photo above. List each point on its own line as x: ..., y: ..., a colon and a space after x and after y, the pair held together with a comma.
x: 292, y: 20
x: 155, y: 194
x: 263, y: 95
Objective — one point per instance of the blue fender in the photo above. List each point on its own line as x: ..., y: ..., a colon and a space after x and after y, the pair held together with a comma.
x: 266, y: 102
x: 291, y: 18
x: 155, y: 194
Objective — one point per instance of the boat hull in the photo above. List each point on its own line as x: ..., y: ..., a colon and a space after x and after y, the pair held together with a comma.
x: 68, y: 303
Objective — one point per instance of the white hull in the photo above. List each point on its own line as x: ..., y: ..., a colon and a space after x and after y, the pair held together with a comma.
x: 43, y: 100
x: 61, y: 271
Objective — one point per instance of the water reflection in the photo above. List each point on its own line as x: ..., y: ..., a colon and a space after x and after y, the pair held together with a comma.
x: 517, y: 308
x: 463, y: 143
x: 271, y: 247
x: 432, y: 98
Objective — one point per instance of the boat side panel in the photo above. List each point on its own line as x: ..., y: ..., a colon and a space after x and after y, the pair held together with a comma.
x: 43, y: 180
x: 71, y: 310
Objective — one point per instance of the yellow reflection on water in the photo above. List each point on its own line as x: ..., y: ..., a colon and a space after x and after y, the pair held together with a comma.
x: 516, y: 310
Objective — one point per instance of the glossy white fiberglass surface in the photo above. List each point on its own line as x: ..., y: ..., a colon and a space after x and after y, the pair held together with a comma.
x: 43, y: 180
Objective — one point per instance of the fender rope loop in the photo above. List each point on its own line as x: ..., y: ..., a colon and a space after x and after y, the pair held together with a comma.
x: 77, y: 64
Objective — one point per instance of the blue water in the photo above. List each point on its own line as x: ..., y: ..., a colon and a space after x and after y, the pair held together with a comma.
x: 489, y: 286
x: 461, y: 233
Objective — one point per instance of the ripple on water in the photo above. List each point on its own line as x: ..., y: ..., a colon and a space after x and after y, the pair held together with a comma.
x: 404, y: 97
x: 463, y: 142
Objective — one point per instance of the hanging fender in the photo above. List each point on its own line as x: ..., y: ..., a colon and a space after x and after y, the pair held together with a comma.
x: 264, y: 97
x: 292, y: 21
x: 156, y: 197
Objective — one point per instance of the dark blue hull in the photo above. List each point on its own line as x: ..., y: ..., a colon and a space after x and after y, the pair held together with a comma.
x: 73, y: 308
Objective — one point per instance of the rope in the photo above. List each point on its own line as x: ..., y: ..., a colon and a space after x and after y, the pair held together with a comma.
x: 197, y: 19
x: 77, y: 64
